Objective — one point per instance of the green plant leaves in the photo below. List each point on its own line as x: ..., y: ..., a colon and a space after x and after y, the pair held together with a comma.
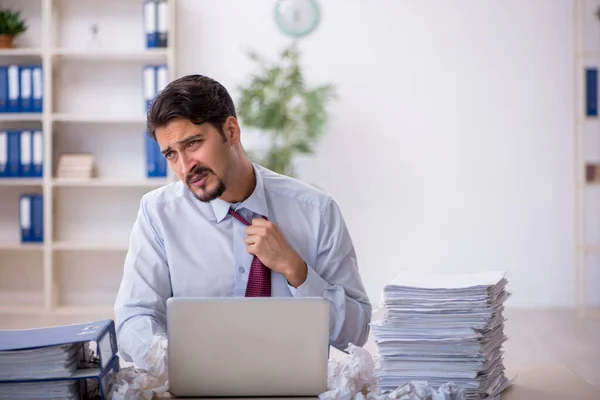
x: 278, y: 103
x: 11, y: 23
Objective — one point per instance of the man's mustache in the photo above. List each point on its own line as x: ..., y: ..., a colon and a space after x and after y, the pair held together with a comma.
x: 199, y: 170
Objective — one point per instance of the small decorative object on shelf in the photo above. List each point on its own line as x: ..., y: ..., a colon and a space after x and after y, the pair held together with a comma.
x: 592, y: 173
x: 76, y: 166
x: 11, y: 25
x: 94, y: 42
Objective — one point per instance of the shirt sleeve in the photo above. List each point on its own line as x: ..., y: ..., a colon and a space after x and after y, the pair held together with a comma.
x: 140, y: 306
x: 336, y: 277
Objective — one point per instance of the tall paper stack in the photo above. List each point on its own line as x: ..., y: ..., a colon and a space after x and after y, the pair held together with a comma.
x: 443, y: 328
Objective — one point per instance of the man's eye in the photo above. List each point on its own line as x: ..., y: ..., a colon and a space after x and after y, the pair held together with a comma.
x: 192, y: 142
x: 169, y: 155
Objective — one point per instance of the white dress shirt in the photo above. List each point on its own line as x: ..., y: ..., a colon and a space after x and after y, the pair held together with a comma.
x: 180, y: 246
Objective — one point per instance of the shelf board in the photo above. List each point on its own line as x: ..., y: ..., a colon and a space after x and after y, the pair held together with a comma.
x: 89, y: 246
x: 110, y: 55
x: 21, y: 181
x: 99, y: 119
x: 109, y: 182
x: 22, y: 246
x: 22, y: 310
x: 20, y: 117
x: 592, y: 249
x: 21, y: 52
x: 106, y: 311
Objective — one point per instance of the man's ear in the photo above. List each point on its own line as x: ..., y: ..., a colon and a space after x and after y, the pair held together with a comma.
x: 231, y: 130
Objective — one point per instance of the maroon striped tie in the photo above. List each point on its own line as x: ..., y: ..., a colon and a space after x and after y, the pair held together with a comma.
x: 259, y: 278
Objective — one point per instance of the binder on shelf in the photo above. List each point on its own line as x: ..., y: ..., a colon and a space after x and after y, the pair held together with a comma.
x: 591, y: 92
x: 37, y: 217
x: 149, y: 83
x: 37, y: 154
x: 162, y: 78
x: 14, y: 91
x: 3, y: 88
x: 151, y: 23
x: 25, y: 217
x: 25, y: 163
x: 26, y: 85
x: 31, y: 218
x: 156, y: 163
x: 3, y: 154
x: 37, y: 89
x: 162, y: 23
x: 13, y: 153
x: 72, y: 359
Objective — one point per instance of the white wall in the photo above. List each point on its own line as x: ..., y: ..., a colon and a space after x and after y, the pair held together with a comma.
x: 451, y: 146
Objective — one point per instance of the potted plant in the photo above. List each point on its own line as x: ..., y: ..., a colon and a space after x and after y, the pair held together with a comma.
x: 11, y: 25
x: 278, y: 102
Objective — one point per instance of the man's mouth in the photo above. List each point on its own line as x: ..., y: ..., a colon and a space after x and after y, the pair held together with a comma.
x: 199, y: 180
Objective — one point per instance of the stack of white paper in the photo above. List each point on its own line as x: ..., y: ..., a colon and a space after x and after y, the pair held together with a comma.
x: 443, y: 328
x: 76, y: 166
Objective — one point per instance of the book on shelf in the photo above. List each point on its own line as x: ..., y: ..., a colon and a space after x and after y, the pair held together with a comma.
x: 76, y: 166
x: 68, y: 361
x: 21, y: 88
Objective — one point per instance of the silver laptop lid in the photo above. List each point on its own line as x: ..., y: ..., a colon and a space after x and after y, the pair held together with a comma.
x: 248, y: 346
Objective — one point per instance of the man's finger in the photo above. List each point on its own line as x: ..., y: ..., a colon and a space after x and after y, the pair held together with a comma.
x: 251, y: 249
x: 260, y: 222
x: 255, y: 230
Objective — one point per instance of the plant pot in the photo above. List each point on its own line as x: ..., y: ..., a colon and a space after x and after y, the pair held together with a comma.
x: 6, y: 41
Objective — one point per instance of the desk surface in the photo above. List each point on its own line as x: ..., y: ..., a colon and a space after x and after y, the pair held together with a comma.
x: 534, y: 382
x: 547, y: 382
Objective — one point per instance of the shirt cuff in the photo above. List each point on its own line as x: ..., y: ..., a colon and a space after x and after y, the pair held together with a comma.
x: 313, y: 286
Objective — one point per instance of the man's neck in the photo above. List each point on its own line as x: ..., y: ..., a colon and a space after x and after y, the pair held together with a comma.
x: 243, y: 183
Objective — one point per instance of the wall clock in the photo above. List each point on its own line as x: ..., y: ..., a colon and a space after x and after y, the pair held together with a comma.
x: 296, y: 18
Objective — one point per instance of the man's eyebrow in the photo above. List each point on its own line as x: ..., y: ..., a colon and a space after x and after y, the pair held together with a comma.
x: 184, y: 141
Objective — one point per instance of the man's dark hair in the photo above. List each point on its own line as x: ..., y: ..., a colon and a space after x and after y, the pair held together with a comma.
x: 196, y: 98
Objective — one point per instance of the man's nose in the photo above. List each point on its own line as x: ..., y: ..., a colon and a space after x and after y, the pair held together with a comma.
x: 186, y: 163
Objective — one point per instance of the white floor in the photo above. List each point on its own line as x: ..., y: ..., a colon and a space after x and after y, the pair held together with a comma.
x: 535, y: 337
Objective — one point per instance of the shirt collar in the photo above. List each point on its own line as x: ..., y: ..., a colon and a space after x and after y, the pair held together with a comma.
x: 256, y: 203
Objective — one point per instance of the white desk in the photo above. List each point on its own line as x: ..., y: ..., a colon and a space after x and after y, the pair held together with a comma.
x: 534, y: 382
x: 547, y: 382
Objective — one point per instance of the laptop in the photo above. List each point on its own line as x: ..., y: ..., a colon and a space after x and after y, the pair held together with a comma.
x: 247, y: 347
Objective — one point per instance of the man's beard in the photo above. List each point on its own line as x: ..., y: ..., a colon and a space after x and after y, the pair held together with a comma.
x: 207, y: 195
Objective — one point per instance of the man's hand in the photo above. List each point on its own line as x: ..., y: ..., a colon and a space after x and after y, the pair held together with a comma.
x: 265, y: 241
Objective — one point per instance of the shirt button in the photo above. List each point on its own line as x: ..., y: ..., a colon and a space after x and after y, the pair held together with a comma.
x: 242, y: 270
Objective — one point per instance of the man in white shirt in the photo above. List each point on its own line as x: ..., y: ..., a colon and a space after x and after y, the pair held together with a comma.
x: 224, y: 222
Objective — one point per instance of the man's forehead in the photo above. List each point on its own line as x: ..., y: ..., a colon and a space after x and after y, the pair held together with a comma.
x: 179, y: 130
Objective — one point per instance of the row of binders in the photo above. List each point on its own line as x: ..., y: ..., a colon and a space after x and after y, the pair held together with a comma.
x: 155, y: 79
x: 21, y: 154
x: 156, y: 23
x: 444, y: 329
x: 62, y: 362
x: 21, y: 88
x: 31, y: 218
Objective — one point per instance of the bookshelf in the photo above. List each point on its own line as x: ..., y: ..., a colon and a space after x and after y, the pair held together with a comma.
x: 586, y: 46
x: 93, y: 102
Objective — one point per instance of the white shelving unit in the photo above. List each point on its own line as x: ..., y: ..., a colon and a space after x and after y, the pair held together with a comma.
x: 93, y: 102
x: 586, y: 45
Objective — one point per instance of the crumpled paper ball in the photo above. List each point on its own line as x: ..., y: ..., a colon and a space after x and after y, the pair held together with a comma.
x: 347, y: 380
x: 355, y: 380
x: 132, y: 383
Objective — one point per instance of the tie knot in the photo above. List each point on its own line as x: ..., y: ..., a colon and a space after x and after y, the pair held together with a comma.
x: 238, y: 217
